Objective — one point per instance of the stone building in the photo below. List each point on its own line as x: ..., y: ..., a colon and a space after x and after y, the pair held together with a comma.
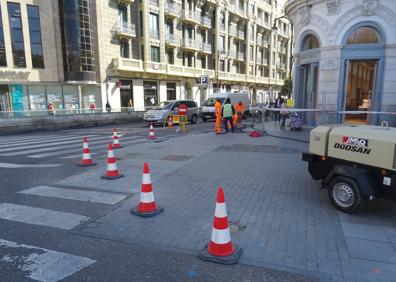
x: 345, y: 58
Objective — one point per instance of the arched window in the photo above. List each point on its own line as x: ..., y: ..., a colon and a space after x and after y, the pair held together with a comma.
x: 310, y: 42
x: 363, y: 35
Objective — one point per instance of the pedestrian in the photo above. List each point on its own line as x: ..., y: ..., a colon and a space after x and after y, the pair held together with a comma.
x: 278, y: 103
x: 51, y: 108
x: 218, y: 110
x: 130, y: 105
x: 227, y: 112
x: 108, y: 107
x: 283, y: 113
x: 92, y: 107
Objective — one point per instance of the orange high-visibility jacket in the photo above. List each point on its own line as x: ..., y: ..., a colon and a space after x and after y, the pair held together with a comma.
x: 239, y: 108
x: 218, y: 108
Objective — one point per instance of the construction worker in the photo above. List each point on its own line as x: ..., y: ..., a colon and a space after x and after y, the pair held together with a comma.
x: 239, y: 109
x: 227, y: 113
x: 218, y: 109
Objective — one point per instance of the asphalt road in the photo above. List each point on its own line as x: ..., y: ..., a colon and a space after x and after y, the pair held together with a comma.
x: 35, y: 159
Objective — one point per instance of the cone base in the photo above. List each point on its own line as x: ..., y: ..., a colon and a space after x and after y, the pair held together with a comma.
x: 111, y: 177
x: 86, y: 165
x: 135, y: 211
x: 231, y: 259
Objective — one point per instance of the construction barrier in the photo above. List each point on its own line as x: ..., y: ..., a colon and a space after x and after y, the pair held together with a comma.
x: 181, y: 120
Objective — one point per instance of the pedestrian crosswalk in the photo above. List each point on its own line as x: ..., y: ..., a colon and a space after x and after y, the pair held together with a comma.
x: 63, y: 147
x: 39, y: 263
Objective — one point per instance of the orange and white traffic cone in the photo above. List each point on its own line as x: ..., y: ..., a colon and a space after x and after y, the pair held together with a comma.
x: 151, y: 132
x: 220, y: 248
x: 112, y: 171
x: 170, y: 122
x: 147, y: 206
x: 86, y: 155
x: 116, y: 141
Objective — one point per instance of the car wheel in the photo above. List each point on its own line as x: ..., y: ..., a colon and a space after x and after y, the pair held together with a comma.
x: 344, y: 194
x: 204, y: 119
x: 194, y: 119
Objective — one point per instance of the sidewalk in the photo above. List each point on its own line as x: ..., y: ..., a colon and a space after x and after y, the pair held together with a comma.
x: 278, y: 214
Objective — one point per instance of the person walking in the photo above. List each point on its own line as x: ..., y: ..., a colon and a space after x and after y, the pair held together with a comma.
x: 227, y: 112
x: 278, y: 103
x: 108, y: 107
x: 218, y: 110
x: 283, y: 113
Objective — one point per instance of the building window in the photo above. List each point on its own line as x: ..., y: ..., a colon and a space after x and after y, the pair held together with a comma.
x: 188, y: 59
x: 150, y: 94
x: 169, y: 27
x: 154, y: 27
x: 273, y: 73
x: 310, y: 42
x: 36, y: 45
x: 273, y: 58
x: 252, y: 32
x: 222, y: 20
x: 141, y: 22
x: 122, y: 14
x: 3, y: 58
x: 124, y: 49
x: 222, y: 42
x: 18, y: 49
x: 251, y: 70
x: 364, y: 35
x: 155, y: 54
x: 266, y: 18
x: 241, y: 5
x: 222, y: 65
x: 203, y: 62
x: 251, y: 52
x: 170, y: 91
x: 171, y: 56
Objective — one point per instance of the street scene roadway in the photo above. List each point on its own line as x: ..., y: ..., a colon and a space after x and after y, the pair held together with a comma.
x: 63, y: 222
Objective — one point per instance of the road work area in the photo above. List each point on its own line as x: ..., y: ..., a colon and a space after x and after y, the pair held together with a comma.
x: 276, y: 212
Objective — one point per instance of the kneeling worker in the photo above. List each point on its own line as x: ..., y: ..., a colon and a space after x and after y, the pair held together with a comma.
x: 240, y: 109
x: 227, y: 113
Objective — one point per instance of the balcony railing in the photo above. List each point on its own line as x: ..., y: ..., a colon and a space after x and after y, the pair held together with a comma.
x: 222, y: 27
x: 172, y: 9
x: 206, y: 48
x: 206, y: 21
x: 125, y: 29
x: 232, y: 30
x: 170, y: 39
x: 189, y: 43
x: 241, y: 55
x: 232, y: 53
x: 154, y: 34
x: 265, y: 43
x: 241, y: 34
x: 191, y: 15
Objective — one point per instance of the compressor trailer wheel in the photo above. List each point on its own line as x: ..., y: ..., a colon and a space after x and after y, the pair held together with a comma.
x: 344, y: 194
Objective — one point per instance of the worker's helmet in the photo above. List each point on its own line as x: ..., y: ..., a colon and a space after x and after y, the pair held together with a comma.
x: 240, y: 103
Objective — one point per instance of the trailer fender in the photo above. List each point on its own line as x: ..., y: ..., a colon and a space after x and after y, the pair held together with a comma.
x: 360, y: 175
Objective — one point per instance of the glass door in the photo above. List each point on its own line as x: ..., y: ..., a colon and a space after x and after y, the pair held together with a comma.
x: 359, y: 89
x: 4, y: 100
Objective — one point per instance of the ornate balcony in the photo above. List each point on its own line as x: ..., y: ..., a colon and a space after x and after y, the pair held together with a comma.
x: 191, y: 16
x: 241, y: 56
x: 206, y: 21
x: 188, y: 43
x: 206, y: 48
x: 232, y: 31
x: 172, y: 10
x: 241, y: 34
x: 170, y: 40
x: 232, y: 54
x: 125, y: 30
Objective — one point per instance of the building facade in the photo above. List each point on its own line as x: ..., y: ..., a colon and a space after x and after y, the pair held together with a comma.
x: 154, y: 50
x: 42, y: 59
x: 345, y: 58
x: 75, y: 53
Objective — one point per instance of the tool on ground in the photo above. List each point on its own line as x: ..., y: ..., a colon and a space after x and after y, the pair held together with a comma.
x: 220, y: 249
x: 86, y: 155
x: 112, y: 171
x: 151, y: 132
x: 116, y: 141
x: 147, y: 206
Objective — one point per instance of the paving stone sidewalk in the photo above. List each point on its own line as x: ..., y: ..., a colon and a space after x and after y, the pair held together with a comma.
x: 278, y: 213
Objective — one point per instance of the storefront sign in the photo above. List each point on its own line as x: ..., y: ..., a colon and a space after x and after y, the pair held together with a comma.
x: 17, y: 98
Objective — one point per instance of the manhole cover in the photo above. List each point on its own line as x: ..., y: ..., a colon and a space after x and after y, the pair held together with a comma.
x: 236, y: 226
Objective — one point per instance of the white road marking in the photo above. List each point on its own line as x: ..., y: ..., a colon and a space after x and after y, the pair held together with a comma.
x: 42, y: 264
x: 134, y: 141
x: 77, y: 195
x: 39, y: 216
x: 44, y: 143
x: 9, y: 165
x: 76, y: 156
x: 24, y: 138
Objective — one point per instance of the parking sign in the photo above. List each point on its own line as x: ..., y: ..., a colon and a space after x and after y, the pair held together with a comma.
x: 204, y: 80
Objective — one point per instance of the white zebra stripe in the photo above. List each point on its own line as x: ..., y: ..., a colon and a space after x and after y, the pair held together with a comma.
x: 41, y: 264
x: 146, y: 179
x: 147, y: 197
x: 39, y: 216
x: 221, y: 236
x: 220, y: 210
x: 74, y: 194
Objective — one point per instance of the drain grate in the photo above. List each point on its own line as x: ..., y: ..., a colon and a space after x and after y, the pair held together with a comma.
x: 178, y: 158
x: 236, y: 226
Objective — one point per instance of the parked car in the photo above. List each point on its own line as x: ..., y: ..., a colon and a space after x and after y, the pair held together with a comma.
x: 163, y: 109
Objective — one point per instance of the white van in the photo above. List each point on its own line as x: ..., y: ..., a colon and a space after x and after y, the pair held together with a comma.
x: 208, y: 110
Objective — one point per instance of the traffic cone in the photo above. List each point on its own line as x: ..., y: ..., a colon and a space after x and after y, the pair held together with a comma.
x: 170, y: 122
x: 147, y: 206
x: 220, y: 248
x: 86, y: 155
x: 116, y: 141
x: 151, y: 132
x: 112, y: 171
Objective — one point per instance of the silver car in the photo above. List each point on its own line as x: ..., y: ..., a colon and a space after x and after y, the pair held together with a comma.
x: 163, y: 109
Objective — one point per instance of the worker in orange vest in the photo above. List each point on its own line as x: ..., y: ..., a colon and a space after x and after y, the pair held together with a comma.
x: 239, y: 110
x: 218, y: 108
